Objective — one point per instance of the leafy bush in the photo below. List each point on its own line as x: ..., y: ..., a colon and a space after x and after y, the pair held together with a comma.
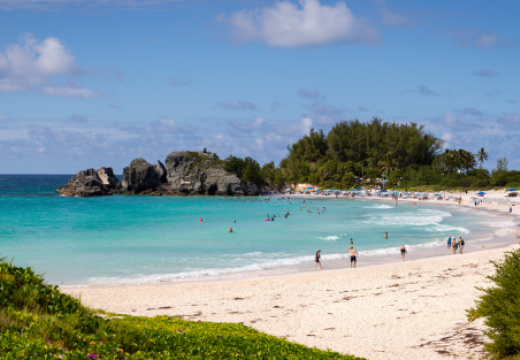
x: 501, y: 306
x: 39, y: 322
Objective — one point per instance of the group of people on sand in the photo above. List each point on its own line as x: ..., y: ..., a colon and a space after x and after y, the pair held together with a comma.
x: 353, y: 255
x: 455, y: 244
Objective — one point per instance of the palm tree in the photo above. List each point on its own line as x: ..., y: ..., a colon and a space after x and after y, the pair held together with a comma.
x: 482, y: 156
x: 388, y: 165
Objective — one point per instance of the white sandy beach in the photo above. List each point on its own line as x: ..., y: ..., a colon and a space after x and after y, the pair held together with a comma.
x: 406, y: 310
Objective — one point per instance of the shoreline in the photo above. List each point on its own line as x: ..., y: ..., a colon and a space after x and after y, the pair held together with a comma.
x: 365, y: 311
x: 420, y: 251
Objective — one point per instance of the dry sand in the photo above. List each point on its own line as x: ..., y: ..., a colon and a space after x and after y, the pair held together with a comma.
x: 406, y: 310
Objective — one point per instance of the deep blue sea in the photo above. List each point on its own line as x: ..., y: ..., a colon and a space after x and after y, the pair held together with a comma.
x: 132, y: 239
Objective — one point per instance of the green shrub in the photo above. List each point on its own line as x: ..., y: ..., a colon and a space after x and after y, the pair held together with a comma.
x: 500, y: 305
x: 39, y: 322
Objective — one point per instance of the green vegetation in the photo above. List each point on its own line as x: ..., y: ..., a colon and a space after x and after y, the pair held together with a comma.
x: 39, y: 322
x: 500, y: 305
x: 246, y: 169
x: 403, y: 156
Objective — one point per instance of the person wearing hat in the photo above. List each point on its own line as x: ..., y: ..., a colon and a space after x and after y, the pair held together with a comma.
x: 317, y: 259
x: 403, y: 251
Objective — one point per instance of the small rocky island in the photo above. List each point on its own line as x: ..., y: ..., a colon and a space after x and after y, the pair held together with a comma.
x: 183, y: 173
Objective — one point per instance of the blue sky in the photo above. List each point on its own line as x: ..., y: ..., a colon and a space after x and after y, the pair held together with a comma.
x: 98, y: 83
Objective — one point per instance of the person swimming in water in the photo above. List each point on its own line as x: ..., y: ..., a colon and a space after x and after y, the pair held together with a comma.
x: 200, y: 220
x: 230, y: 229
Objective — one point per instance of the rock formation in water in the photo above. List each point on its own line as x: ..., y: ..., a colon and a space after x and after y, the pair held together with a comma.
x: 184, y: 173
x: 90, y: 182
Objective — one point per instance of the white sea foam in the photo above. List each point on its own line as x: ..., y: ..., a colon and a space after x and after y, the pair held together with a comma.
x: 329, y: 238
x: 262, y: 264
x: 379, y: 207
x: 449, y: 228
x: 416, y: 218
x: 198, y: 273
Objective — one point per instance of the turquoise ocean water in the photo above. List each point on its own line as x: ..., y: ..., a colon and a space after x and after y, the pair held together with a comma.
x: 131, y: 239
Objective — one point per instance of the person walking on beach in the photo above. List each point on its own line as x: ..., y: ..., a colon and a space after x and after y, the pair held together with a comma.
x: 317, y: 260
x: 449, y: 242
x: 403, y: 251
x: 353, y: 256
x: 510, y: 210
x: 461, y: 245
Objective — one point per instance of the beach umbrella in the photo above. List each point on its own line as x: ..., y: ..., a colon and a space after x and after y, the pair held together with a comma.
x: 310, y: 187
x: 437, y: 194
x: 481, y: 193
x: 511, y: 189
x: 318, y: 189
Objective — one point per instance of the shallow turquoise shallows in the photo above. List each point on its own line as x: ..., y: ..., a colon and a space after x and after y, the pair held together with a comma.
x: 129, y: 239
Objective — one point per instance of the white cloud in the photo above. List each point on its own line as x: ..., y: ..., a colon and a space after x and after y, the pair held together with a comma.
x: 4, y: 117
x: 35, y: 65
x: 288, y: 25
x: 306, y: 124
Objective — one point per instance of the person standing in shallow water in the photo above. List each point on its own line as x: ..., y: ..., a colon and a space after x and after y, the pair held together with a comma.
x: 403, y: 251
x: 386, y: 235
x: 351, y: 241
x: 353, y: 256
x: 317, y: 259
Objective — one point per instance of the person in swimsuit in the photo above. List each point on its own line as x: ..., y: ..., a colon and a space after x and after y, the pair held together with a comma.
x: 353, y: 256
x: 461, y: 245
x: 230, y: 229
x: 351, y: 241
x: 386, y: 235
x: 454, y: 245
x: 200, y: 220
x: 449, y: 242
x: 403, y: 251
x: 317, y: 259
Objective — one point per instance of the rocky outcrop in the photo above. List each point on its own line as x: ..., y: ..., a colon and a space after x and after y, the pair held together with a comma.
x: 139, y: 176
x: 194, y: 173
x: 90, y: 182
x: 184, y: 173
x: 109, y: 180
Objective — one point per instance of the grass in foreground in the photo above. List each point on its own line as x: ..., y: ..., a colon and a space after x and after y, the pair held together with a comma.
x: 39, y: 322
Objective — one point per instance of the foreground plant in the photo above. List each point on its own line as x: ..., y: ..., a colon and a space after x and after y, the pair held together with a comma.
x: 500, y: 305
x: 39, y: 322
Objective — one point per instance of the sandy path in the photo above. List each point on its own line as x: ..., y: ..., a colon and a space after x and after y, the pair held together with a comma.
x: 410, y: 310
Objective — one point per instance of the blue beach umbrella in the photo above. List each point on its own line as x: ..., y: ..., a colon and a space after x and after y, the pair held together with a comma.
x: 511, y: 189
x: 481, y: 193
x: 309, y: 187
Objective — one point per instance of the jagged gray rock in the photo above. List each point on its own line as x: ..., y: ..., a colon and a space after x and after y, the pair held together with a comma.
x: 88, y: 183
x: 190, y: 172
x: 109, y: 180
x: 140, y: 176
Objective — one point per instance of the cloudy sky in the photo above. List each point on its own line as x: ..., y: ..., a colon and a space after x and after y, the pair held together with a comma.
x: 91, y: 83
